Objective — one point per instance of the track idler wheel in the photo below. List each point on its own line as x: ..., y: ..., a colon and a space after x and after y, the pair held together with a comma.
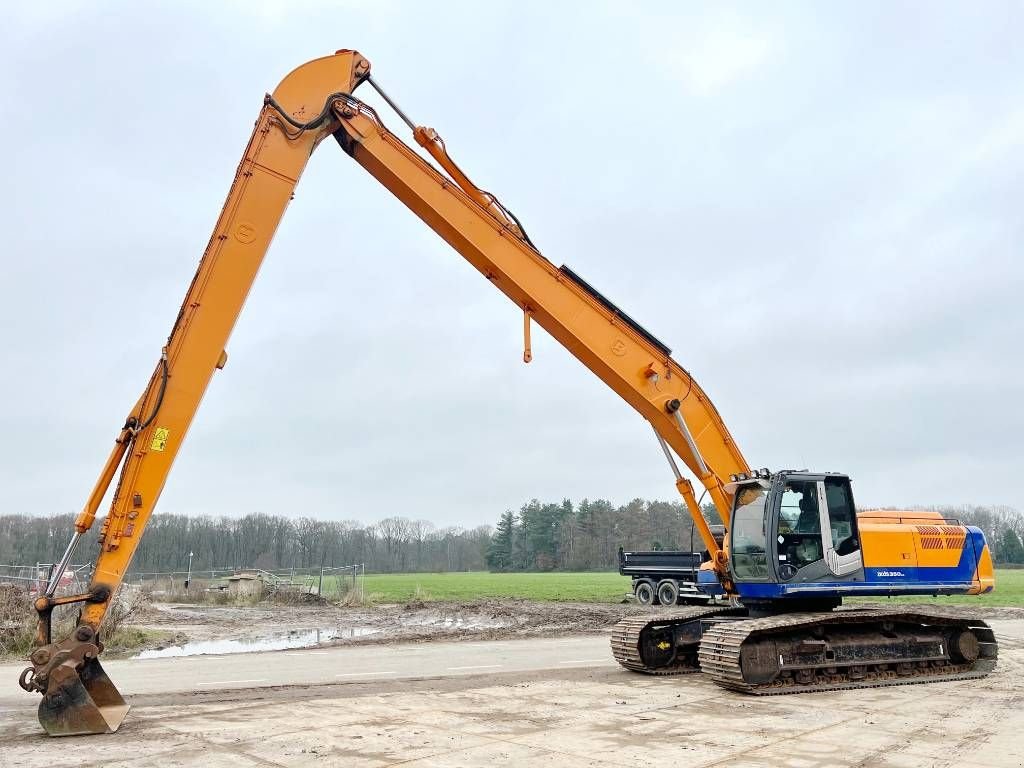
x: 759, y: 661
x: 965, y: 646
x: 657, y: 647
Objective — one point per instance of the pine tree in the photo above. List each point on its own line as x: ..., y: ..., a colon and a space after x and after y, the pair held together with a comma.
x: 1010, y: 548
x: 499, y: 552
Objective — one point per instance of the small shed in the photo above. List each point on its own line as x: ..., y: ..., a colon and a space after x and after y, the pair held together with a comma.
x: 245, y: 586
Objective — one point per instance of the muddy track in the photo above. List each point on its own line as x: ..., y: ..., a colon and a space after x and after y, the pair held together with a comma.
x: 489, y: 619
x: 172, y: 625
x: 177, y: 624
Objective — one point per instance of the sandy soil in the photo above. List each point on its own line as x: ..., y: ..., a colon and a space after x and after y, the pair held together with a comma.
x: 601, y: 717
x: 571, y: 718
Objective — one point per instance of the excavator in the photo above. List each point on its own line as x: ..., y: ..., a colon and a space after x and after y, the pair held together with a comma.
x: 794, y: 546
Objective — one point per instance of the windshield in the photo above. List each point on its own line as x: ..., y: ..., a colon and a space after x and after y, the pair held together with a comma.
x: 749, y: 560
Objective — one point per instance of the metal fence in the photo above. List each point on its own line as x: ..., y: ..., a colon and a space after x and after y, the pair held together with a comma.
x: 34, y: 578
x: 333, y: 582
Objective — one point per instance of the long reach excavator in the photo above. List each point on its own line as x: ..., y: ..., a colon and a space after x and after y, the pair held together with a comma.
x: 794, y: 546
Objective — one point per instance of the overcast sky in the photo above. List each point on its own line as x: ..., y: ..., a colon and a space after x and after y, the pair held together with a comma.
x: 817, y: 206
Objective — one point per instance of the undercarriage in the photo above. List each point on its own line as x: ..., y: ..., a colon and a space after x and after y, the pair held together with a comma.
x: 803, y: 652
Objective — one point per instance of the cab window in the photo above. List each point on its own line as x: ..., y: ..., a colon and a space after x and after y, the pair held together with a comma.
x: 749, y: 559
x: 841, y: 516
x: 800, y: 541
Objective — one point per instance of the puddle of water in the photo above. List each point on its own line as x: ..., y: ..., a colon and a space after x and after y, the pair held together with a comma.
x: 454, y: 622
x: 276, y: 642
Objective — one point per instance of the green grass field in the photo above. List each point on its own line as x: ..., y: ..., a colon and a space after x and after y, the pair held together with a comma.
x: 597, y: 587
x: 590, y: 587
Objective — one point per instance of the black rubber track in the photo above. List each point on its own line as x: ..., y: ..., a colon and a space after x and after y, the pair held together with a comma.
x: 719, y: 652
x: 626, y: 635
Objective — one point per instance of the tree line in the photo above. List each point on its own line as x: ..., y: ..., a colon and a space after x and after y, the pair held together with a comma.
x: 586, y: 536
x: 541, y: 536
x: 271, y: 542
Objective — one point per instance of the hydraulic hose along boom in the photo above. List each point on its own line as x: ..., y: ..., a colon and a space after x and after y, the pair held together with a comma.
x: 313, y: 102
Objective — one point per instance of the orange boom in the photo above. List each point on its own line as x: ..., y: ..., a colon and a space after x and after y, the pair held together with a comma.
x: 794, y: 543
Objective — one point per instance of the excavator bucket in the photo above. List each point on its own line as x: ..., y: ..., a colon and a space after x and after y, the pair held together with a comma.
x: 78, y: 703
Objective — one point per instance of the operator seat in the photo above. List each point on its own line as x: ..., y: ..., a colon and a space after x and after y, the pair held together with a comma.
x: 809, y: 521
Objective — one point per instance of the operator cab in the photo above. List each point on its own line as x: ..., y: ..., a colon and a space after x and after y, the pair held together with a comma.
x: 792, y: 534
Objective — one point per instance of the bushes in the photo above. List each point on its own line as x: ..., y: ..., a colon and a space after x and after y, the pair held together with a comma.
x: 17, y: 621
x: 127, y: 603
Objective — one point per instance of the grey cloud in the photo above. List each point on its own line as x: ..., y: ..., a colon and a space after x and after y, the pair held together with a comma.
x: 817, y: 207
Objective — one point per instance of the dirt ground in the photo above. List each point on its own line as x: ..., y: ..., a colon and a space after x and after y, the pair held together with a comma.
x: 599, y: 716
x: 178, y: 624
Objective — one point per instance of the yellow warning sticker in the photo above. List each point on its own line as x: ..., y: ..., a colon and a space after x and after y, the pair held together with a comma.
x: 159, y: 441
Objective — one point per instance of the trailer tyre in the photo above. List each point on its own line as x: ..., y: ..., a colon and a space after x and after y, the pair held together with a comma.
x: 644, y: 593
x: 668, y: 592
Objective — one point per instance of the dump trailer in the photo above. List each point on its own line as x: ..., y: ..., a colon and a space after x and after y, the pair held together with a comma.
x: 671, y: 576
x: 663, y: 577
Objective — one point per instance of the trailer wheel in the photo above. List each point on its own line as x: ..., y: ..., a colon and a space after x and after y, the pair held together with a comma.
x: 644, y: 592
x: 668, y: 592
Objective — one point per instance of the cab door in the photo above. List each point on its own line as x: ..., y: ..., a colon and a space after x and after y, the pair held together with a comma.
x: 815, y: 537
x: 840, y: 538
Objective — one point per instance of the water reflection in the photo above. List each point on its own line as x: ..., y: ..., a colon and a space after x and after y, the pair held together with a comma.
x: 275, y: 642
